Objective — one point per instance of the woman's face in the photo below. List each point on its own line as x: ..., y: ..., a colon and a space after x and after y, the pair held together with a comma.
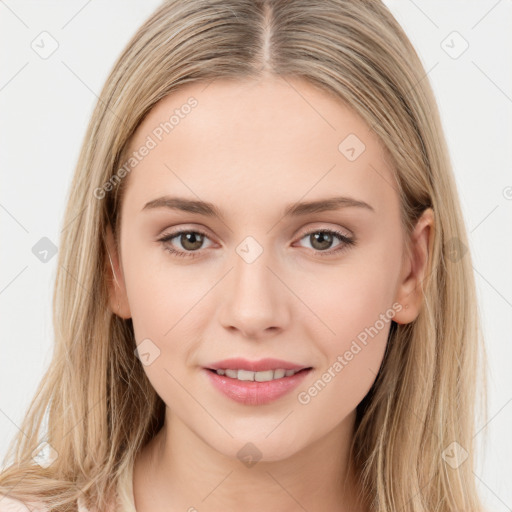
x: 259, y: 274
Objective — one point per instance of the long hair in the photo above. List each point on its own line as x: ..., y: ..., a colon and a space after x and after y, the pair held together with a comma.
x: 95, y: 406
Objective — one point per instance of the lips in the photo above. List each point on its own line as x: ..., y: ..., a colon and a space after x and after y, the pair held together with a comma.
x: 255, y: 382
x: 255, y: 366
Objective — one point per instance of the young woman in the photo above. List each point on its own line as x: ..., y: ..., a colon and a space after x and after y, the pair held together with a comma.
x: 264, y: 297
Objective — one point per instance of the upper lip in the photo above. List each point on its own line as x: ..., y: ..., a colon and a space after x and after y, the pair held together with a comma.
x: 255, y: 366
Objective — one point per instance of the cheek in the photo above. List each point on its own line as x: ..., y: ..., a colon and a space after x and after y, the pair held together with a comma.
x: 361, y: 319
x: 164, y: 303
x: 346, y: 300
x: 167, y: 303
x: 162, y: 295
x: 351, y: 294
x: 353, y: 314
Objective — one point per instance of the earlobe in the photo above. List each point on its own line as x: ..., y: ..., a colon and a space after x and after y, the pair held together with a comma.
x: 118, y: 300
x: 415, y: 268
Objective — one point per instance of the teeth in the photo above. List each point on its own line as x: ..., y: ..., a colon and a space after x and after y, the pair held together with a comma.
x: 264, y: 376
x: 245, y: 375
x: 279, y: 374
x: 257, y: 376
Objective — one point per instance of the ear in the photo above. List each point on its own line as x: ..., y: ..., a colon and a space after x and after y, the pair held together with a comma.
x: 414, y: 268
x: 118, y: 299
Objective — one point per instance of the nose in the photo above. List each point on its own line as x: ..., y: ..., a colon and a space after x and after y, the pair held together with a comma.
x: 254, y: 301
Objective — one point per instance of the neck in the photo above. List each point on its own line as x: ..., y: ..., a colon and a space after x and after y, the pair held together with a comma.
x: 178, y: 471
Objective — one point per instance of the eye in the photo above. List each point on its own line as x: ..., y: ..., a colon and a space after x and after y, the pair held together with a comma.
x: 322, y: 239
x: 191, y: 241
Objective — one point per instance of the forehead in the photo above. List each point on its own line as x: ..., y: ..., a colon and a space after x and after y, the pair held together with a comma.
x: 281, y: 138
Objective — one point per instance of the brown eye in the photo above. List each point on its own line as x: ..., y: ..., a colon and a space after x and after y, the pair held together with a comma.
x: 321, y: 241
x: 191, y: 242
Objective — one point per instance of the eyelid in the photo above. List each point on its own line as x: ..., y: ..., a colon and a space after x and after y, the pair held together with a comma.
x: 314, y: 229
x: 181, y: 228
x: 323, y: 227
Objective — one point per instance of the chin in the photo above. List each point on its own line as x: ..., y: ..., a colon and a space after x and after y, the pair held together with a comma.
x: 250, y: 450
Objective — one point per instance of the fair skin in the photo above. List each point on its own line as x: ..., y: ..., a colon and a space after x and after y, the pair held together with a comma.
x: 251, y: 148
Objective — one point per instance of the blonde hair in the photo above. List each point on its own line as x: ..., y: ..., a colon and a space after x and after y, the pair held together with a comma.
x: 100, y: 407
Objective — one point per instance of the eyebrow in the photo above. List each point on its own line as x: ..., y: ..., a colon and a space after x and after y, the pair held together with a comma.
x: 293, y: 210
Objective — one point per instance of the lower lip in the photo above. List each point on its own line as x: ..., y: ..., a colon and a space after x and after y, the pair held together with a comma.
x: 250, y: 392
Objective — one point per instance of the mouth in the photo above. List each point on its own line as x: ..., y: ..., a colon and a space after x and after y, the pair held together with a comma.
x: 256, y: 382
x: 261, y: 376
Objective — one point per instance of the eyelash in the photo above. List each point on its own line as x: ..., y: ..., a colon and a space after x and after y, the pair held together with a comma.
x: 347, y: 242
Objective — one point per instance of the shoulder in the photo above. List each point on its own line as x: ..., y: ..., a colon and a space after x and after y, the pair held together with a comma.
x: 8, y: 504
